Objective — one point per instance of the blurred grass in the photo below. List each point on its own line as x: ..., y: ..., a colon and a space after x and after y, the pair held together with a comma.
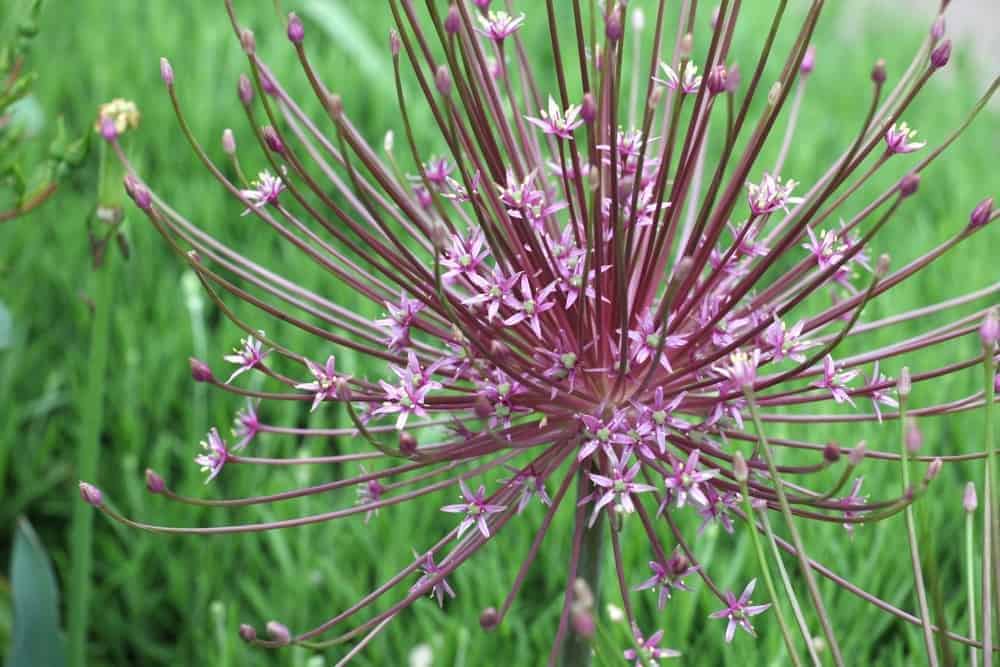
x: 161, y: 600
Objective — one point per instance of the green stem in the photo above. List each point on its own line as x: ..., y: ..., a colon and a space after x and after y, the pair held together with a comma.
x: 576, y: 650
x: 990, y: 528
x: 91, y: 420
x: 800, y: 550
x: 911, y: 534
x: 970, y: 580
x: 766, y: 571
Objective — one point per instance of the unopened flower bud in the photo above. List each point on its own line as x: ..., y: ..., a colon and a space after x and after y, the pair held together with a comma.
x: 989, y: 330
x: 200, y: 370
x: 228, y: 142
x: 613, y: 28
x: 655, y: 96
x: 808, y: 61
x: 638, y: 19
x: 913, y: 436
x: 395, y: 44
x: 904, y: 385
x: 969, y: 500
x: 296, y: 31
x: 716, y: 80
x: 139, y: 193
x: 909, y: 184
x: 248, y: 41
x: 941, y: 54
x: 442, y: 79
x: 878, y: 72
x: 482, y: 4
x: 166, y: 72
x: 981, y: 214
x: 713, y: 20
x: 272, y: 140
x: 831, y: 452
x: 933, y: 469
x: 489, y: 619
x: 108, y: 130
x: 686, y: 46
x: 245, y: 90
x: 453, y: 22
x: 482, y: 407
x: 938, y: 28
x: 247, y: 633
x: 740, y: 471
x: 857, y: 454
x: 91, y: 494
x: 335, y: 106
x: 882, y: 266
x: 583, y: 623
x: 154, y: 483
x: 407, y: 443
x: 278, y: 633
x: 774, y: 94
x: 588, y: 109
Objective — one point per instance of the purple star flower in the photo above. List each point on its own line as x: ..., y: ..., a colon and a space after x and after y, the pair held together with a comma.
x: 649, y: 650
x: 739, y: 611
x: 215, y: 457
x: 770, y: 196
x: 685, y: 482
x: 835, y: 381
x: 668, y: 576
x: 327, y: 384
x: 529, y: 306
x: 400, y: 320
x: 877, y: 396
x: 620, y: 486
x: 249, y: 355
x: 899, y: 139
x: 246, y: 425
x: 499, y: 25
x: 431, y: 570
x: 494, y: 291
x: 266, y: 190
x: 689, y: 84
x: 475, y: 508
x: 557, y: 123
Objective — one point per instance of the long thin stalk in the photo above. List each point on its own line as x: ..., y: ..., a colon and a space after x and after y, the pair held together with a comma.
x: 800, y: 550
x: 91, y: 417
x: 989, y: 511
x: 577, y: 650
x: 970, y: 580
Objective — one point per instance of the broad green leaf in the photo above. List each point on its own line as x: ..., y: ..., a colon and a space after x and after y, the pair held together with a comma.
x: 38, y: 640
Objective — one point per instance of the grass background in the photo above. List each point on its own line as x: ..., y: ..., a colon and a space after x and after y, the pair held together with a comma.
x: 160, y: 600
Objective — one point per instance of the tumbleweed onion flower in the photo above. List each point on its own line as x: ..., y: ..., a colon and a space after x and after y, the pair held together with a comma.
x: 573, y: 326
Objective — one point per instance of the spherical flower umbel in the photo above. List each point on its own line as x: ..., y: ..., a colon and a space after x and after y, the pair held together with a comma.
x: 584, y: 317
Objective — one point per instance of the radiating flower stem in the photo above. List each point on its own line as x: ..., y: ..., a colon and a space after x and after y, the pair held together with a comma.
x: 989, y: 511
x: 911, y: 532
x: 970, y: 578
x: 766, y: 571
x: 786, y: 511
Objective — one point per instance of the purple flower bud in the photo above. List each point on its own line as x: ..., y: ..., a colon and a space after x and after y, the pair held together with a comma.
x: 482, y: 407
x: 228, y: 142
x: 857, y: 454
x: 489, y: 619
x: 808, y: 61
x: 882, y: 266
x: 154, y: 483
x: 200, y: 370
x: 904, y: 385
x: 453, y: 22
x: 248, y: 41
x: 588, y: 109
x: 278, y: 633
x: 878, y: 72
x: 394, y: 43
x: 937, y: 29
x: 831, y: 452
x: 909, y: 184
x: 407, y: 444
x: 740, y: 471
x: 613, y: 28
x: 247, y: 633
x: 296, y: 31
x: 933, y: 469
x: 686, y: 46
x: 482, y: 4
x: 913, y: 436
x: 969, y: 500
x: 733, y: 78
x: 583, y: 624
x: 272, y: 140
x: 989, y: 331
x: 166, y: 72
x: 138, y: 192
x: 981, y: 214
x: 716, y: 80
x: 108, y: 129
x: 245, y: 90
x: 91, y: 494
x: 442, y: 79
x: 941, y: 54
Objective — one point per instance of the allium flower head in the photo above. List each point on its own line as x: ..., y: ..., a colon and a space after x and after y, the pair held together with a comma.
x: 601, y: 325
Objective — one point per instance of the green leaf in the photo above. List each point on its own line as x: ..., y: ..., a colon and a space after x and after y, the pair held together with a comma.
x: 6, y: 328
x: 38, y: 641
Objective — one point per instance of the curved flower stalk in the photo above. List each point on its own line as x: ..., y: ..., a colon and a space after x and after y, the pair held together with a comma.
x: 562, y: 293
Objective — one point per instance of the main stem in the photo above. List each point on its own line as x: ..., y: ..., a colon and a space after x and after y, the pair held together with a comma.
x: 576, y: 649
